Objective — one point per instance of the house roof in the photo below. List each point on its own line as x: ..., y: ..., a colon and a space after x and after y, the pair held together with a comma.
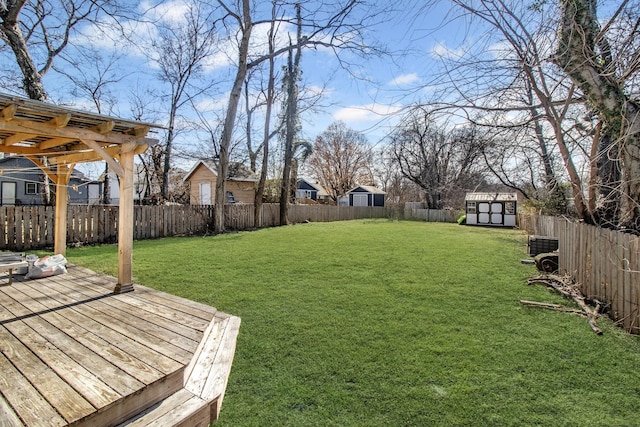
x: 369, y: 189
x: 237, y: 171
x: 16, y: 165
x: 494, y: 197
x: 319, y: 188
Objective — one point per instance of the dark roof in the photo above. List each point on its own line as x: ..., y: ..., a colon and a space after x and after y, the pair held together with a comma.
x: 368, y: 189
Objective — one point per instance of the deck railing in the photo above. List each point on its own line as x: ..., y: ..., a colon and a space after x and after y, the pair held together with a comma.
x: 604, y: 263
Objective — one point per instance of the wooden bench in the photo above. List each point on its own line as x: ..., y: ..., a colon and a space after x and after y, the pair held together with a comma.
x: 199, y: 402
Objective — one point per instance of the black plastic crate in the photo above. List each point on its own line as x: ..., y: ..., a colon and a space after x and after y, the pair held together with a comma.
x: 542, y: 244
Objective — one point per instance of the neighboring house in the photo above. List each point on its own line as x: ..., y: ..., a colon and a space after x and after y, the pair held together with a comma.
x: 22, y: 183
x: 145, y: 188
x: 366, y: 195
x: 311, y: 190
x: 498, y: 209
x: 203, y: 176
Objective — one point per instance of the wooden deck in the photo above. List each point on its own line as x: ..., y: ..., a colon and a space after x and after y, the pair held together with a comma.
x: 73, y: 353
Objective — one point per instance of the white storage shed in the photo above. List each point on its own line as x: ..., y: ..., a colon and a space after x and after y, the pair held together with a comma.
x: 497, y: 209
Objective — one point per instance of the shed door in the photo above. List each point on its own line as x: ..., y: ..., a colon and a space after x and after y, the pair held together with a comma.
x: 205, y: 193
x: 490, y: 213
x: 483, y: 213
x: 8, y: 193
x: 496, y: 213
x: 360, y: 199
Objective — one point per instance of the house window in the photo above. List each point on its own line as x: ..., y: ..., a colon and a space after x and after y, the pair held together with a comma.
x: 471, y: 207
x: 230, y: 197
x: 510, y: 208
x: 31, y: 188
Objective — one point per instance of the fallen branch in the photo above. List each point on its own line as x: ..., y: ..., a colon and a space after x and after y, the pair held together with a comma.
x: 568, y: 289
x: 557, y: 307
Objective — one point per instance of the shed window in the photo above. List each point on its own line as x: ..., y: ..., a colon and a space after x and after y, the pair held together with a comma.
x: 471, y: 207
x: 31, y: 188
x: 230, y: 197
x: 510, y: 208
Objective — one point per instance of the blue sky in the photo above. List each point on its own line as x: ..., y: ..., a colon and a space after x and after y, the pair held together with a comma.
x: 370, y: 104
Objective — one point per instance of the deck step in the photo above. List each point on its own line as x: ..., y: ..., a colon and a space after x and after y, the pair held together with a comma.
x: 130, y: 405
x: 183, y: 408
x: 199, y: 402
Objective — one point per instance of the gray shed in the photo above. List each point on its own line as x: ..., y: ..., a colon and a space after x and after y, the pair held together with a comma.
x: 497, y: 209
x: 366, y: 195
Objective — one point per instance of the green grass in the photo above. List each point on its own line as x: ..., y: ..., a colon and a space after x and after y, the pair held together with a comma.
x: 383, y: 323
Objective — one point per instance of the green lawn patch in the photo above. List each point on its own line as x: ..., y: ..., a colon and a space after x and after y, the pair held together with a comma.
x: 387, y: 323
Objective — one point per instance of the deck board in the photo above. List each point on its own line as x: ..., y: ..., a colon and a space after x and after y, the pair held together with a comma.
x: 54, y: 389
x: 74, y: 353
x: 104, y: 342
x: 127, y: 324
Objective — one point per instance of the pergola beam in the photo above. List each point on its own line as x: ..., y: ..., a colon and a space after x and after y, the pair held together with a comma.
x: 9, y: 111
x: 105, y: 156
x: 50, y: 131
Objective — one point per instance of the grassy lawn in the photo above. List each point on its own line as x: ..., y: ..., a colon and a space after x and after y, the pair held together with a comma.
x: 387, y: 323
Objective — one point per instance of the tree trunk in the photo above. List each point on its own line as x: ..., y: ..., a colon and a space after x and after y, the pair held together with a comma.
x: 577, y: 56
x: 288, y: 141
x: 291, y: 121
x: 229, y: 122
x: 257, y: 213
x: 32, y: 80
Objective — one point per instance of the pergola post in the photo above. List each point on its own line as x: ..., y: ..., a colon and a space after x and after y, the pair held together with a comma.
x: 62, y: 194
x: 125, y: 224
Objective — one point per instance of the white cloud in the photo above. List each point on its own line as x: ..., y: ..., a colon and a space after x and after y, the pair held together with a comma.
x: 365, y: 113
x: 213, y: 104
x: 441, y: 50
x: 171, y: 12
x: 405, y: 79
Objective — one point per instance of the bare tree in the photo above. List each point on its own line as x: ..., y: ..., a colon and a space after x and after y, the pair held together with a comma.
x: 291, y: 116
x: 440, y: 161
x: 269, y: 101
x: 332, y: 24
x: 507, y: 83
x: 38, y: 31
x: 399, y: 189
x: 94, y: 77
x: 585, y: 54
x: 341, y: 160
x: 180, y: 52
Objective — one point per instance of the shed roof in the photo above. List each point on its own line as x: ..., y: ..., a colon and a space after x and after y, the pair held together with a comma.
x: 492, y: 197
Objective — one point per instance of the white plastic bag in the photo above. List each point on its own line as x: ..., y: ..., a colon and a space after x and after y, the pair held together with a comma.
x: 47, y: 266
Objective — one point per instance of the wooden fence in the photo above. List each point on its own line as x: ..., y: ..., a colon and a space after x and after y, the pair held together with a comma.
x: 604, y: 263
x: 417, y: 210
x: 32, y: 227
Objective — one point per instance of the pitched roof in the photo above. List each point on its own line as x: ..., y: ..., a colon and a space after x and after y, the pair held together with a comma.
x: 237, y: 171
x: 319, y: 188
x: 494, y: 197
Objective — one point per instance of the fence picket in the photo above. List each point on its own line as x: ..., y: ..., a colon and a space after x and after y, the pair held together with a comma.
x: 604, y: 263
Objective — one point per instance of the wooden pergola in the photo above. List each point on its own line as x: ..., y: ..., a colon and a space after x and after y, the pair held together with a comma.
x: 56, y: 139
